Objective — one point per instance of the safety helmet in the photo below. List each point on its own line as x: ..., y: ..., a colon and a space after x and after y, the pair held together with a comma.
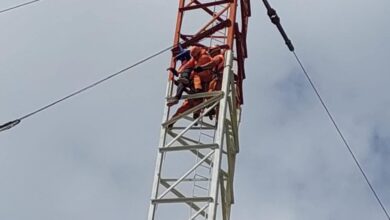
x: 183, y: 55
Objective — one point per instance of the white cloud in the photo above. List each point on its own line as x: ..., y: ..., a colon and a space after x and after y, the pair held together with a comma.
x: 93, y: 156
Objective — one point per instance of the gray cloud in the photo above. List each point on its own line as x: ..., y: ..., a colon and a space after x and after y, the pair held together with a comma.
x: 93, y: 157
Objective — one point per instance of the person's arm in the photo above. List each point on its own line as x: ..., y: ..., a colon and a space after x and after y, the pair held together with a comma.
x: 213, y: 63
x: 188, y: 65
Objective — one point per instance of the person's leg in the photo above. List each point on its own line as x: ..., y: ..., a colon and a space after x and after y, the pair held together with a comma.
x: 179, y: 92
x: 184, y: 107
x: 185, y: 77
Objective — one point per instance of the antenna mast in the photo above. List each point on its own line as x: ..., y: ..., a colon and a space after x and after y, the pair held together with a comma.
x: 196, y: 157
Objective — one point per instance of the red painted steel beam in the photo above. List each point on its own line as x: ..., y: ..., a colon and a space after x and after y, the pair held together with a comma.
x: 176, y: 40
x: 232, y: 17
x: 204, y: 5
x: 246, y: 7
x: 244, y: 29
x: 189, y: 4
x: 240, y: 64
x: 215, y: 17
x: 208, y: 10
x: 203, y: 35
x: 245, y: 14
x: 188, y: 36
x: 224, y: 26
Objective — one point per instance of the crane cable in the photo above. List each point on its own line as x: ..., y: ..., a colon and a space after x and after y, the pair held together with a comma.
x: 341, y: 135
x: 13, y: 123
x: 276, y: 20
x: 18, y: 6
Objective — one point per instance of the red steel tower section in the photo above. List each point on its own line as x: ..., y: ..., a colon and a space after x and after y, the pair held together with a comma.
x: 221, y: 22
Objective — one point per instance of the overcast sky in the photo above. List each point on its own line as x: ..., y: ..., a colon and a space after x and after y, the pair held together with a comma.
x: 93, y: 156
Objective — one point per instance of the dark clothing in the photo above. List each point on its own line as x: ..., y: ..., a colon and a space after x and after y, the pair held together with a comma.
x: 183, y: 87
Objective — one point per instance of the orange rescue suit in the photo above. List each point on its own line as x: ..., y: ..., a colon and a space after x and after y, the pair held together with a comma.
x: 203, y: 77
x: 218, y: 62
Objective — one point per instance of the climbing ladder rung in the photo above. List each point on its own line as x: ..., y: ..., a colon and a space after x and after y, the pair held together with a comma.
x: 218, y: 40
x: 207, y: 135
x: 220, y: 6
x: 201, y: 187
x: 207, y: 167
x: 205, y: 104
x: 202, y: 123
x: 198, y: 175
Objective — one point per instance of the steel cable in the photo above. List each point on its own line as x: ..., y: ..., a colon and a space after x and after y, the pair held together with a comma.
x: 18, y: 6
x: 11, y: 124
x: 276, y: 20
x: 341, y: 135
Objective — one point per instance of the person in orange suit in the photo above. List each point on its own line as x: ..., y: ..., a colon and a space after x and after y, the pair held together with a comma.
x: 200, y: 79
x: 188, y: 104
x: 216, y: 66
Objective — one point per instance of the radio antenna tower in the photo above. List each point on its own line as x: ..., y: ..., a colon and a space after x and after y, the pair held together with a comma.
x: 196, y: 158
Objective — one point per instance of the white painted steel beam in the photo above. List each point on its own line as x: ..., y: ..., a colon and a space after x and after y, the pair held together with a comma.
x: 220, y: 134
x: 189, y: 147
x: 183, y: 200
x: 213, y: 141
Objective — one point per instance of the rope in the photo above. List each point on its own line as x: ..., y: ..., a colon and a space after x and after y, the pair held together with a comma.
x: 276, y: 20
x: 341, y: 135
x: 10, y: 124
x: 18, y: 6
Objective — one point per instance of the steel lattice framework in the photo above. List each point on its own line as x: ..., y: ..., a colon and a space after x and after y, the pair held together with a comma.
x: 196, y: 159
